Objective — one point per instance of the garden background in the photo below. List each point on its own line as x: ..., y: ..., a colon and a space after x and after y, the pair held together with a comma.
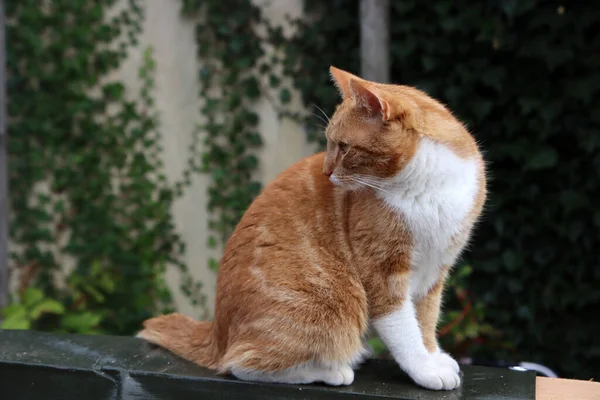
x: 139, y: 131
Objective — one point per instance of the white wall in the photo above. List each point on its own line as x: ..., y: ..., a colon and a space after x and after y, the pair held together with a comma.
x: 177, y: 100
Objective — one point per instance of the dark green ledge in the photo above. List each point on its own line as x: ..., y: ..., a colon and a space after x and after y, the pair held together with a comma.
x: 44, y: 366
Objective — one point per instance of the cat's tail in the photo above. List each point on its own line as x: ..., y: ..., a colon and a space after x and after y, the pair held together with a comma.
x: 190, y: 339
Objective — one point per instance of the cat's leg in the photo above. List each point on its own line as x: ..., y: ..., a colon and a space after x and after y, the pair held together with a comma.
x: 276, y: 353
x: 399, y: 329
x: 295, y: 362
x: 302, y: 374
x: 428, y: 311
x: 247, y: 366
x: 301, y: 330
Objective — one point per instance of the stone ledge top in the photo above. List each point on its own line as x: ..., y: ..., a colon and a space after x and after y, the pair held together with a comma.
x: 35, y: 365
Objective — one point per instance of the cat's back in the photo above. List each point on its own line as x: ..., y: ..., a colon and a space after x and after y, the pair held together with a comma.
x: 302, y: 186
x: 298, y: 208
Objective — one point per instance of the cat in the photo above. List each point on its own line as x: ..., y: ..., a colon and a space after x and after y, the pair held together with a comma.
x: 364, y: 234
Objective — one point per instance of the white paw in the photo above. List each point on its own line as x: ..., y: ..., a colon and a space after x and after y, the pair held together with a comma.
x: 436, y: 373
x: 338, y: 376
x: 348, y: 374
x: 446, y: 359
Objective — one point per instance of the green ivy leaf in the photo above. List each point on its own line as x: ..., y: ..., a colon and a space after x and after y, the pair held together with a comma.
x: 48, y: 306
x: 213, y: 264
x: 285, y: 96
x: 212, y: 242
x: 510, y: 259
x: 274, y: 80
x: 16, y: 322
x: 92, y: 291
x: 543, y: 158
x: 82, y: 322
x: 32, y: 296
x: 254, y: 139
x: 251, y: 88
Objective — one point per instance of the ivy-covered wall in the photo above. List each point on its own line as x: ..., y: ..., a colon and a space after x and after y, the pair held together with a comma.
x: 524, y: 77
x: 91, y: 225
x: 155, y: 68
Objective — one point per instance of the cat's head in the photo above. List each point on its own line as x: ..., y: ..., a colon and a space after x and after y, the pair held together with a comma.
x: 376, y: 129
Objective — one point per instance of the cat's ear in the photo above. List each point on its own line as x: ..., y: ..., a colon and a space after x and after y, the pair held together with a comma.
x: 378, y: 103
x: 371, y: 100
x: 342, y: 79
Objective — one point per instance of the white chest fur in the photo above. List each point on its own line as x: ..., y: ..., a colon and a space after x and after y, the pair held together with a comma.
x: 433, y: 194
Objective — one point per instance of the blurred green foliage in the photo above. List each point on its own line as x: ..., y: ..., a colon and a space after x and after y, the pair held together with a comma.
x: 81, y: 311
x: 90, y: 205
x: 523, y: 75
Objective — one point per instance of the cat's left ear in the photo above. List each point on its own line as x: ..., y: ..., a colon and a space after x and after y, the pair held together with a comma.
x: 371, y: 100
x: 342, y: 79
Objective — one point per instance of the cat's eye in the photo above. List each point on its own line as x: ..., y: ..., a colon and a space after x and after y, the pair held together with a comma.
x: 344, y: 147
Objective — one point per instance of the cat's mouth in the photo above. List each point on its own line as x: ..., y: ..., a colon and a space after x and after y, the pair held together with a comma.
x: 345, y: 183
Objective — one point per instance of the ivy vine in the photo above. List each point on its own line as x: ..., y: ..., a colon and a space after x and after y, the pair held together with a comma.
x: 90, y: 205
x: 232, y: 56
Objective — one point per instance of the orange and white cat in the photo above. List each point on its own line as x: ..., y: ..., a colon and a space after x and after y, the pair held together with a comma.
x: 364, y: 233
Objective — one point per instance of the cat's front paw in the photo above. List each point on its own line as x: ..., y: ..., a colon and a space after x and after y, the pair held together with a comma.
x: 438, y: 372
x: 446, y: 359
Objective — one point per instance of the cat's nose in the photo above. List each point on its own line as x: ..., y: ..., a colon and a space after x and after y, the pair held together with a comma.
x: 329, y: 165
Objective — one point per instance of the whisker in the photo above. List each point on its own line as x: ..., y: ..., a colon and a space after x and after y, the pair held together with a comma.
x: 320, y: 118
x: 374, y: 181
x: 320, y: 126
x: 371, y: 185
x: 374, y: 187
x: 322, y: 112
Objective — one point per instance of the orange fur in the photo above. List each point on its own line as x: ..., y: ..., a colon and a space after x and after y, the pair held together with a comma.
x: 428, y: 311
x: 310, y: 263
